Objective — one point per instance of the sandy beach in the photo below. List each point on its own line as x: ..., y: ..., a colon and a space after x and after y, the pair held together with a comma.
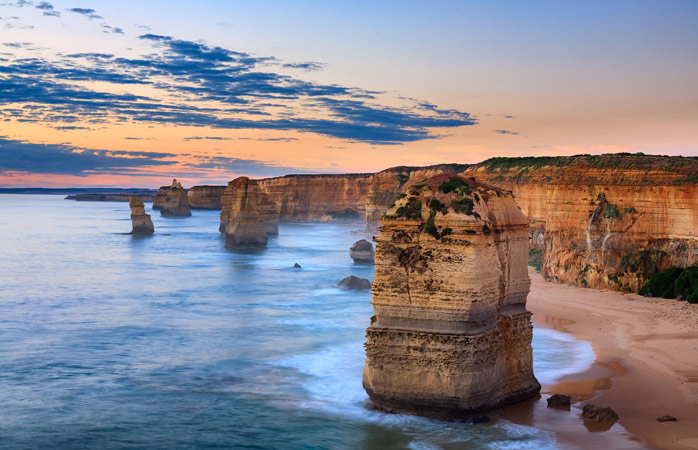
x: 646, y: 358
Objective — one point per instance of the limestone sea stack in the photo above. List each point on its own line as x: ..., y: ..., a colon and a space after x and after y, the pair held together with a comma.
x: 267, y: 209
x: 244, y: 225
x: 175, y: 202
x: 141, y: 222
x: 362, y: 252
x: 451, y: 334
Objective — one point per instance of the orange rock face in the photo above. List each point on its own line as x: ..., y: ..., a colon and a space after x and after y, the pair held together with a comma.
x: 205, y: 197
x: 141, y: 222
x: 451, y: 335
x: 244, y: 226
x: 172, y: 200
x: 604, y: 221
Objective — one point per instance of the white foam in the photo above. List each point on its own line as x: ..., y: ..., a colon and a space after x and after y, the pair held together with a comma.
x: 556, y: 354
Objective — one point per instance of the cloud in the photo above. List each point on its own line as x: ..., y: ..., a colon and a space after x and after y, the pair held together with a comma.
x: 63, y: 159
x: 196, y: 84
x: 48, y: 9
x: 23, y: 156
x: 308, y: 66
x: 87, y: 12
x: 110, y: 29
x: 513, y: 133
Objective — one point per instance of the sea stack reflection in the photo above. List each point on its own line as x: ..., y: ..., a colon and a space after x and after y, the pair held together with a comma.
x: 451, y: 334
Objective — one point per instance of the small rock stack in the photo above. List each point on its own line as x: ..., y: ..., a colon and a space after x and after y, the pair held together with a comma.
x: 141, y: 222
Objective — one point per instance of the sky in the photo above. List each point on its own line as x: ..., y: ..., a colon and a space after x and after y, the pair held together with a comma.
x: 131, y: 94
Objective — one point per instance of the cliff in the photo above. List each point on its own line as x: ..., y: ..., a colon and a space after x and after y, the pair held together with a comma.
x: 267, y: 209
x: 205, y: 197
x: 607, y: 221
x: 141, y: 222
x: 451, y: 335
x: 172, y: 200
x: 244, y: 225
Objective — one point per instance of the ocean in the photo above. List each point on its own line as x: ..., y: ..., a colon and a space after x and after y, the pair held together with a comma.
x: 109, y: 340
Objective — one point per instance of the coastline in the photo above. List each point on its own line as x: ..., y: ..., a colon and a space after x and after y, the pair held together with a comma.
x: 646, y: 357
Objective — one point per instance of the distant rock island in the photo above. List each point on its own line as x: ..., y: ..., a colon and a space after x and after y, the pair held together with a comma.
x: 362, y: 252
x: 141, y: 222
x: 172, y: 201
x: 451, y: 335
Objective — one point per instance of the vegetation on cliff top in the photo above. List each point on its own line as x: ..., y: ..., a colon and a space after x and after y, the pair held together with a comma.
x: 674, y: 282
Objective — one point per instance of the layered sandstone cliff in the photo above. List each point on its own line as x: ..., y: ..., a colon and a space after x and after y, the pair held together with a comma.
x: 451, y: 334
x: 265, y: 207
x: 205, y: 197
x: 140, y: 221
x: 244, y: 226
x: 607, y: 221
x: 172, y: 200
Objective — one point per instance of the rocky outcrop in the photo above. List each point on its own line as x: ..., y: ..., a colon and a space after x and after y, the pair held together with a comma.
x: 267, y: 209
x: 244, y: 226
x: 362, y: 252
x: 599, y: 414
x: 451, y: 334
x: 172, y: 200
x: 141, y: 222
x: 354, y: 283
x: 205, y: 197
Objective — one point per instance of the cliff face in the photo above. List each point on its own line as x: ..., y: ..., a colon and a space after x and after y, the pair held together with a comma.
x: 268, y: 210
x: 244, y: 226
x: 451, y: 334
x: 141, y: 222
x: 205, y: 197
x: 604, y: 221
x: 172, y: 201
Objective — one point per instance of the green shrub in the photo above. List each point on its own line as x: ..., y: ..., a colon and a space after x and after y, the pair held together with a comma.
x: 455, y: 184
x: 612, y: 211
x: 412, y: 209
x: 403, y: 195
x: 469, y: 231
x: 693, y: 297
x: 662, y: 284
x: 463, y: 205
x: 686, y: 283
x: 535, y: 258
x: 430, y: 226
x: 486, y: 229
x: 446, y: 231
x: 630, y: 210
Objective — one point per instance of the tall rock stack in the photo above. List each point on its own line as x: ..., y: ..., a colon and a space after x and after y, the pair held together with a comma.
x: 269, y: 212
x: 175, y: 202
x: 267, y: 209
x: 451, y: 334
x: 142, y: 224
x: 244, y: 226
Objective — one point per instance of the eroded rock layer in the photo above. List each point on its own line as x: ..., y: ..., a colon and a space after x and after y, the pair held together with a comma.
x: 205, y: 197
x: 172, y: 200
x: 451, y: 334
x: 141, y: 222
x: 607, y: 221
x: 244, y: 226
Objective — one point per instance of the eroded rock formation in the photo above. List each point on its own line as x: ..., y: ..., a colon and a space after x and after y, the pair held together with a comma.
x: 267, y: 209
x: 244, y: 226
x: 141, y: 222
x: 205, y: 197
x: 172, y: 201
x: 451, y: 334
x: 362, y: 252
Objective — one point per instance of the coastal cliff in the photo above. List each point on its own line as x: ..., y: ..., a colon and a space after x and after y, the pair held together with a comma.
x: 451, y: 335
x: 608, y: 221
x: 205, y: 197
x: 244, y: 226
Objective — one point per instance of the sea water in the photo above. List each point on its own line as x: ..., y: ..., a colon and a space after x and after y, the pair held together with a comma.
x: 109, y: 340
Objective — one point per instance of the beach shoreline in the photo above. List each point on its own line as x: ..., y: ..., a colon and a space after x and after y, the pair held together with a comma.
x: 646, y: 358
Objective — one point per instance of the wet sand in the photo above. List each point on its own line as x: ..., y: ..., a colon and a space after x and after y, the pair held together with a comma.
x: 646, y: 367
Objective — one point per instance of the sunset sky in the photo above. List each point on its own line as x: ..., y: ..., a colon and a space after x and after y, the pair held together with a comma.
x: 132, y: 93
